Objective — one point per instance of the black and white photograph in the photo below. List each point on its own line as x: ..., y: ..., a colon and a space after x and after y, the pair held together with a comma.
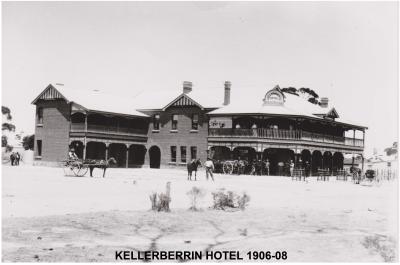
x: 200, y: 131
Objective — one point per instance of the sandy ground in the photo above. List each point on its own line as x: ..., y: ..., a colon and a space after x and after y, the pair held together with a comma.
x: 51, y: 217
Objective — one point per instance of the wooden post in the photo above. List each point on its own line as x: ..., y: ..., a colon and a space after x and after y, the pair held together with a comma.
x: 354, y: 137
x: 106, y: 152
x: 84, y: 151
x: 363, y: 137
x: 362, y: 165
x: 84, y: 139
x: 127, y: 156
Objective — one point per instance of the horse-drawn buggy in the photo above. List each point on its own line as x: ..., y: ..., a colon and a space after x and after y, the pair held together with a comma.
x: 79, y: 167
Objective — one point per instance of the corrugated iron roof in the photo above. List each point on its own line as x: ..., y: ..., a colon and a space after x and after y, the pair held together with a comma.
x: 96, y: 100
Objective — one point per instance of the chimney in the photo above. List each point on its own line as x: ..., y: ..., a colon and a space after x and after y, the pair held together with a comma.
x: 227, y: 95
x: 324, y: 102
x: 187, y: 87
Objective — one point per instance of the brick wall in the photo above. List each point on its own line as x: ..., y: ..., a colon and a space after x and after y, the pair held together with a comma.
x: 184, y: 136
x: 55, y: 130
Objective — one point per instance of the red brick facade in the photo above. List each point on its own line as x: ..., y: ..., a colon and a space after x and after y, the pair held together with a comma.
x: 53, y: 131
x: 165, y: 137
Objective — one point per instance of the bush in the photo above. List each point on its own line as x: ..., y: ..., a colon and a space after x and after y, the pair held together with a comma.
x: 160, y: 202
x: 229, y: 200
x: 195, y: 194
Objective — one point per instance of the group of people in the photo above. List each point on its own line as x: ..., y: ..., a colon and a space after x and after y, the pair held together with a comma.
x: 263, y: 167
x: 15, y: 157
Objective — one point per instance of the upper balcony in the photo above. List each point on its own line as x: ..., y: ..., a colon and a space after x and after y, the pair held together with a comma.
x: 97, y: 125
x: 288, y: 135
x: 80, y: 127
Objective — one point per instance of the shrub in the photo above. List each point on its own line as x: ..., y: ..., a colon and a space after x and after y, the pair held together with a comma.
x: 229, y: 200
x: 195, y: 194
x: 160, y: 201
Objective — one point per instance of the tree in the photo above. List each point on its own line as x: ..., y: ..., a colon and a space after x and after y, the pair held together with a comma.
x: 391, y: 150
x: 28, y: 142
x: 6, y: 111
x: 310, y: 94
x: 8, y: 127
x: 290, y: 90
x: 4, y: 141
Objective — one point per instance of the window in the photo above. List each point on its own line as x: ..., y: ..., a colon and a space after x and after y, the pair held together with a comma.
x: 193, y: 152
x: 174, y: 122
x: 183, y: 154
x: 39, y: 114
x: 173, y: 153
x: 156, y: 122
x: 195, y: 121
x: 39, y: 147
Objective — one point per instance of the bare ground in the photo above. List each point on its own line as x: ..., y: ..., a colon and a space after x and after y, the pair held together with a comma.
x: 311, y: 221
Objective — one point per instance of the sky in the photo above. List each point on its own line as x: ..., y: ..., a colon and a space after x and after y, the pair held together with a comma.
x: 346, y: 51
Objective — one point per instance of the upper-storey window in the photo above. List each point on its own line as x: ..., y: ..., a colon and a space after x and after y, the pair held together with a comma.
x: 39, y: 115
x: 174, y: 122
x: 156, y: 122
x: 195, y: 121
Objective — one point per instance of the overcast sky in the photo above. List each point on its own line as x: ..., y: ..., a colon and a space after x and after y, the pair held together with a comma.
x: 345, y: 51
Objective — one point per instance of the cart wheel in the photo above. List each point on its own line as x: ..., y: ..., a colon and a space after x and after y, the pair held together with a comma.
x: 80, y: 170
x: 67, y: 169
x: 228, y: 168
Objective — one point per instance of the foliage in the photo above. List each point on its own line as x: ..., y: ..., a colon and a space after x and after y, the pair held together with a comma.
x: 4, y: 141
x: 6, y: 111
x: 311, y: 95
x: 391, y: 150
x: 8, y: 127
x: 290, y: 90
x: 229, y: 200
x: 160, y: 201
x: 385, y: 247
x: 9, y: 148
x: 195, y: 194
x: 28, y: 142
x: 311, y: 92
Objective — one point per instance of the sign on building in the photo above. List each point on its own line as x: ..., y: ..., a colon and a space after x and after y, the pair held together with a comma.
x: 219, y: 122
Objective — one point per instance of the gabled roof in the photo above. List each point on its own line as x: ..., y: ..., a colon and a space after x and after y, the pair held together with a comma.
x: 332, y: 114
x: 183, y: 100
x: 90, y: 100
x: 161, y: 99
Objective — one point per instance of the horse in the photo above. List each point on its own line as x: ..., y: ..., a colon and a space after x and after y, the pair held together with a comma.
x: 192, y: 166
x: 103, y: 164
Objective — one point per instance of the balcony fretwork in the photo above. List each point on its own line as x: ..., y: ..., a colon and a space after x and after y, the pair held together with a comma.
x: 284, y: 135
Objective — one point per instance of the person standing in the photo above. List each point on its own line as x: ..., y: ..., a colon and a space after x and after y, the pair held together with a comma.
x: 209, y: 165
x: 280, y: 168
x: 308, y: 169
x: 12, y: 158
x: 291, y: 165
x: 17, y: 158
x: 267, y: 165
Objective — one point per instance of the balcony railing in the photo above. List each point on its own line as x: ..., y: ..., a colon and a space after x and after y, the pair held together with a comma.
x: 285, y: 135
x: 79, y: 127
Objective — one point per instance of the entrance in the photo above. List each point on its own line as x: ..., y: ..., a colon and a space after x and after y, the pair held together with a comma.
x: 155, y: 157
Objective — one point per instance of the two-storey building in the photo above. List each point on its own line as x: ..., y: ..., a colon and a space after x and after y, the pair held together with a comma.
x: 282, y: 127
x: 166, y: 128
